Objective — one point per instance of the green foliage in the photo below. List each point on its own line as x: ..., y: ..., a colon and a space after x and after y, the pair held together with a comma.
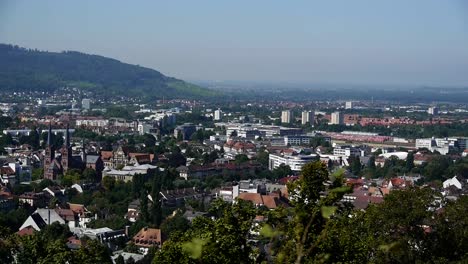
x: 47, y: 71
x: 241, y: 158
x: 281, y: 172
x: 176, y: 223
x: 223, y: 240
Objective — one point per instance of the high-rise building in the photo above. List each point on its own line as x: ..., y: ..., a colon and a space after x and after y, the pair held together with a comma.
x: 286, y: 116
x: 337, y: 118
x: 349, y: 105
x: 217, y: 114
x: 86, y: 104
x: 433, y: 110
x: 307, y: 117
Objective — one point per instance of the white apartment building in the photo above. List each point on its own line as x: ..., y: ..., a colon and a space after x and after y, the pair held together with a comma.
x: 433, y: 110
x: 286, y: 116
x: 349, y: 105
x: 307, y: 117
x: 337, y: 118
x: 92, y: 122
x: 347, y: 151
x: 296, y: 162
x: 217, y: 115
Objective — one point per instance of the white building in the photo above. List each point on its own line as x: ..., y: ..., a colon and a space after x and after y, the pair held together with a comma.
x: 452, y: 182
x: 42, y: 217
x: 441, y: 145
x: 349, y: 105
x: 229, y: 194
x: 307, y: 117
x: 144, y: 128
x: 86, y: 104
x: 433, y: 110
x: 337, y: 118
x: 92, y: 122
x: 347, y: 151
x: 295, y: 162
x: 286, y: 116
x: 218, y: 115
x: 297, y: 140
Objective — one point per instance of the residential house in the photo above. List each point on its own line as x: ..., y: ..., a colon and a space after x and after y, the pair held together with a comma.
x: 42, y: 217
x: 147, y: 238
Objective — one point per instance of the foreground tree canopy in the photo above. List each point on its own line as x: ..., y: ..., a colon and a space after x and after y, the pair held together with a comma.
x: 408, y: 227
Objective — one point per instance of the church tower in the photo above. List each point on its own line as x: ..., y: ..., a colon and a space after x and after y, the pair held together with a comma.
x: 66, y: 151
x: 49, y: 155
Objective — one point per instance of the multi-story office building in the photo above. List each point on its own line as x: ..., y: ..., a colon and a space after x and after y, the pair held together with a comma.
x: 347, y: 151
x: 86, y: 104
x: 297, y: 140
x: 295, y: 162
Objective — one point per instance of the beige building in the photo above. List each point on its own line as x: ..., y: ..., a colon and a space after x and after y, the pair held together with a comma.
x: 337, y: 118
x: 286, y: 116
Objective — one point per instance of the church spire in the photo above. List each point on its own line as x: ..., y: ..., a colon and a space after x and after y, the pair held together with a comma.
x: 49, y: 134
x: 67, y: 136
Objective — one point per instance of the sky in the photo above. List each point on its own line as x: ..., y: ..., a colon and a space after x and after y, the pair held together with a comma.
x: 417, y: 42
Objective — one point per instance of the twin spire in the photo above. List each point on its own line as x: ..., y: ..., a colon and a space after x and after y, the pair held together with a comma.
x: 67, y: 135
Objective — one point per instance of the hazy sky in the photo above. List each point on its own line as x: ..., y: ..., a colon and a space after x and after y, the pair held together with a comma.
x: 417, y: 42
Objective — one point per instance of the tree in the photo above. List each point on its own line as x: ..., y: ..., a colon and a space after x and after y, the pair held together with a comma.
x: 308, y: 225
x: 356, y: 165
x: 222, y: 240
x: 263, y: 158
x: 108, y: 183
x: 281, y: 171
x: 176, y: 223
x: 93, y: 252
x: 119, y: 260
x: 241, y: 158
x: 89, y: 175
x: 409, y: 162
x: 156, y: 211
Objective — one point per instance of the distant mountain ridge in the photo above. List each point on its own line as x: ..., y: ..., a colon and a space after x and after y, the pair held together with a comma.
x: 32, y: 70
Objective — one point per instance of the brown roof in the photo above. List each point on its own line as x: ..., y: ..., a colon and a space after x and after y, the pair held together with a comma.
x: 66, y: 214
x: 106, y: 155
x: 77, y: 208
x: 268, y: 201
x: 148, y: 237
x: 27, y: 231
x: 7, y: 171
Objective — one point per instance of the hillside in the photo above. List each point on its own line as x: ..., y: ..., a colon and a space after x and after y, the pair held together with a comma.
x: 31, y: 70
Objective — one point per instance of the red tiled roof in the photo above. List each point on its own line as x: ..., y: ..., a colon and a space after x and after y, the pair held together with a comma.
x: 148, y: 237
x: 7, y: 171
x: 77, y: 208
x: 106, y: 155
x: 27, y: 231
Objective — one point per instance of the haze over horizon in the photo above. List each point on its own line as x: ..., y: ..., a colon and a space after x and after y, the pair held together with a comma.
x: 421, y: 42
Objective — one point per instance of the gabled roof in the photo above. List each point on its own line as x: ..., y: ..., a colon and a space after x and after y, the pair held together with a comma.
x: 77, y: 208
x: 6, y: 171
x: 269, y: 201
x: 148, y: 237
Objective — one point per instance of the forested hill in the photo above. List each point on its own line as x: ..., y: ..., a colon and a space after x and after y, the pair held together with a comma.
x: 32, y: 70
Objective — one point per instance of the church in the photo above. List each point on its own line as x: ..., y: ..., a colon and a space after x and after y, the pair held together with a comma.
x: 58, y: 162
